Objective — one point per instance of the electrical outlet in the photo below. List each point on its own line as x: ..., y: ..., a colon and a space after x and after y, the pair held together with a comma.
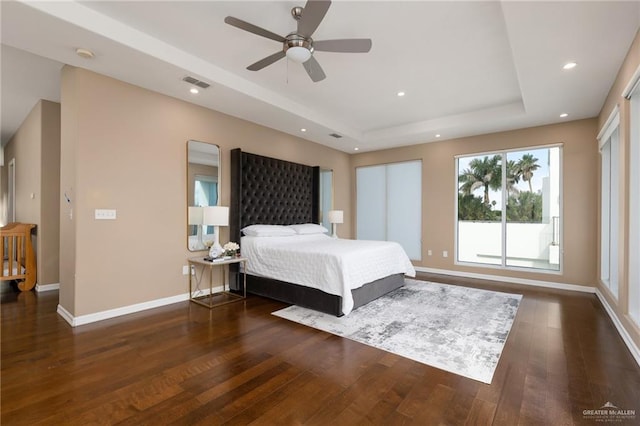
x: 185, y: 269
x: 429, y: 252
x: 105, y: 214
x: 445, y: 254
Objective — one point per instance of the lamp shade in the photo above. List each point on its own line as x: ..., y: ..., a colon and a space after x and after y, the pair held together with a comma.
x: 195, y: 215
x: 336, y: 216
x: 215, y: 215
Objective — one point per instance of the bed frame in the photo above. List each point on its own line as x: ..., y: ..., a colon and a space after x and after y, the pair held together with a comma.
x: 19, y: 259
x: 270, y: 191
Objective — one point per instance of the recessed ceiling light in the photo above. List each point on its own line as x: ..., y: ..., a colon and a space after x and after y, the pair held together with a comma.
x: 84, y: 53
x: 563, y: 115
x: 303, y: 130
x: 400, y: 94
x: 569, y: 65
x: 438, y: 135
x: 194, y: 90
x: 356, y: 149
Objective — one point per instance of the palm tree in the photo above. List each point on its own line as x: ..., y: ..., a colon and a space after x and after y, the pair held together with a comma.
x: 513, y: 177
x: 526, y: 166
x: 482, y: 173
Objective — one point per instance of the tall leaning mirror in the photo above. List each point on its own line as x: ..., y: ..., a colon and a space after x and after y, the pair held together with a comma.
x: 203, y: 189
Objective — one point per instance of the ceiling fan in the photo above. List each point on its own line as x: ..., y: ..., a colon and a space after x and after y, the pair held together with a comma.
x: 298, y: 45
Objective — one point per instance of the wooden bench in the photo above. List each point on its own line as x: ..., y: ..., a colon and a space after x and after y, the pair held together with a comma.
x: 19, y: 259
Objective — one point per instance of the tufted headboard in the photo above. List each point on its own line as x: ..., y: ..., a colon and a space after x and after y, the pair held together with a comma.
x: 270, y: 191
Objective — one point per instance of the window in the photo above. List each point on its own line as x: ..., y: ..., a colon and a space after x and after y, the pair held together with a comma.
x: 326, y: 196
x: 634, y: 200
x: 389, y: 204
x: 205, y: 193
x: 508, y: 209
x: 609, y: 202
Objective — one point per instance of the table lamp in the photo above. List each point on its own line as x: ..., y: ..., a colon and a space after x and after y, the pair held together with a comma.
x: 335, y: 217
x: 215, y: 216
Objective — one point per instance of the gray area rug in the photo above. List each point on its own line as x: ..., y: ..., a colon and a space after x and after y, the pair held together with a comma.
x: 458, y: 329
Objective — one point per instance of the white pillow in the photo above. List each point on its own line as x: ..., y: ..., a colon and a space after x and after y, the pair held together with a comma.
x: 309, y: 228
x: 268, y: 231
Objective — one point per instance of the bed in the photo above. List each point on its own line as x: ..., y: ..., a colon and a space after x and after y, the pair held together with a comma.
x: 18, y: 256
x: 270, y: 191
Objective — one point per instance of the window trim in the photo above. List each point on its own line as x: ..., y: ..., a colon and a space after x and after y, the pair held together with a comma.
x: 611, y: 126
x: 632, y: 94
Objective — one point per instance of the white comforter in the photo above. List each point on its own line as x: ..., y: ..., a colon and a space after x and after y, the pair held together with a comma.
x: 332, y: 265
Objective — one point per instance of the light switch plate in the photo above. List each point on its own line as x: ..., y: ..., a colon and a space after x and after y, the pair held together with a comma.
x: 105, y: 214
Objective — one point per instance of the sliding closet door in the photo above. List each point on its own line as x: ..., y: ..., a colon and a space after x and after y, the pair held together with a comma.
x: 404, y: 206
x: 371, y: 201
x: 389, y: 204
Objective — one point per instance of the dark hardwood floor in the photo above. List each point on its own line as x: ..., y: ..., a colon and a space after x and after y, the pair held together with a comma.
x: 237, y: 364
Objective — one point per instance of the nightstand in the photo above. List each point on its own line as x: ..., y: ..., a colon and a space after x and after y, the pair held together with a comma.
x: 211, y: 299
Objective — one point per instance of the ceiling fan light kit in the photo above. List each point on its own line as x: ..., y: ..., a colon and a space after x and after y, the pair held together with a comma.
x: 298, y: 46
x: 298, y: 49
x: 298, y: 54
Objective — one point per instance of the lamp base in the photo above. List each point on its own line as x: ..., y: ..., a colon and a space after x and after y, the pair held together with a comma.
x: 216, y: 250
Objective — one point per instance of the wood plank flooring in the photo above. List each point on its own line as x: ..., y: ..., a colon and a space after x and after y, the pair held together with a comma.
x: 184, y: 364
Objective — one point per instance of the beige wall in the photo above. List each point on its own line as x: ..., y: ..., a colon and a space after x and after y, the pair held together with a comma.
x: 124, y: 148
x: 580, y: 162
x: 69, y: 116
x: 49, y: 230
x: 621, y: 305
x: 36, y: 150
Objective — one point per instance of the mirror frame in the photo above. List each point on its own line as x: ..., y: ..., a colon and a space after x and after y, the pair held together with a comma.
x: 190, y: 148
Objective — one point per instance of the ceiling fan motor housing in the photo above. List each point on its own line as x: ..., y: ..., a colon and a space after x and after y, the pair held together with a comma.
x: 298, y: 48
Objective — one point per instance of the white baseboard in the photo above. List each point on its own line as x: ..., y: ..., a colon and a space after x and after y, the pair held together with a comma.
x: 635, y: 351
x: 65, y: 314
x: 47, y: 287
x: 633, y: 348
x: 513, y: 280
x: 125, y: 310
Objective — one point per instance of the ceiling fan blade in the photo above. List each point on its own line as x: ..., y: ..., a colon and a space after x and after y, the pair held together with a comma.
x: 312, y: 15
x: 264, y: 62
x: 350, y: 45
x: 243, y: 25
x: 314, y: 70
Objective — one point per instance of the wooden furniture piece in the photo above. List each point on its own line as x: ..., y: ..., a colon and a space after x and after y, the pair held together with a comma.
x: 19, y: 259
x: 270, y: 191
x: 211, y: 299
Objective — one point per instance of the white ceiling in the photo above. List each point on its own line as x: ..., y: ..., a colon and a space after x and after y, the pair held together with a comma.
x: 466, y: 67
